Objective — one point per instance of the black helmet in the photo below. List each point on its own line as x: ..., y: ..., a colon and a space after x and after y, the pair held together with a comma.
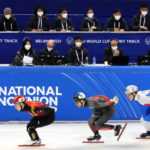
x: 78, y: 96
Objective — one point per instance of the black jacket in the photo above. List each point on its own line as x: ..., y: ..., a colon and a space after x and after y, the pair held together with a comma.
x: 8, y: 25
x: 33, y: 23
x: 74, y: 54
x: 57, y: 24
x: 52, y: 53
x: 111, y: 23
x: 86, y: 22
x: 136, y: 22
x: 108, y: 54
x: 21, y: 53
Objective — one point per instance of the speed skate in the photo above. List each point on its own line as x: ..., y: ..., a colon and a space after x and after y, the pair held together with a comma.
x: 31, y: 145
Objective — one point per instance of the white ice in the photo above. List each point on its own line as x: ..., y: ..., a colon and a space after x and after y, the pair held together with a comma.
x: 69, y: 136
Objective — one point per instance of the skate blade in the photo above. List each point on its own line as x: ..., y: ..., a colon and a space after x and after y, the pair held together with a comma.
x: 142, y: 138
x: 27, y: 145
x: 92, y: 141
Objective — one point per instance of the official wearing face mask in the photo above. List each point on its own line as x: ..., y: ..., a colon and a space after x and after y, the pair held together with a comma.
x: 112, y: 50
x: 77, y: 54
x: 38, y: 22
x: 141, y: 21
x: 8, y: 22
x: 90, y: 23
x: 62, y: 22
x: 116, y: 23
x: 49, y: 51
x: 26, y: 55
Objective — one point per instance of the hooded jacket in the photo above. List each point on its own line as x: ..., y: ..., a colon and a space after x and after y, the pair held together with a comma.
x: 35, y: 23
x: 112, y: 23
x: 18, y: 60
x: 136, y: 22
x: 59, y: 24
x: 8, y: 24
x: 87, y: 23
x: 75, y: 55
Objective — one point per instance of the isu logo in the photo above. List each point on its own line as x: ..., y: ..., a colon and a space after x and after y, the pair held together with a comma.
x: 147, y: 41
x: 70, y: 41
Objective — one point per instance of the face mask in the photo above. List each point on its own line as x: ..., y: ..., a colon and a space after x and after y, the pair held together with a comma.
x: 64, y: 15
x: 117, y: 17
x: 49, y: 48
x: 78, y: 44
x: 90, y: 15
x: 8, y: 16
x: 144, y: 13
x: 40, y: 13
x: 114, y: 48
x: 27, y: 47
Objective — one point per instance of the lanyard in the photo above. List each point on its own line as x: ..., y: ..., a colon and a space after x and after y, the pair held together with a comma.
x: 40, y: 23
x: 118, y: 25
x: 90, y: 26
x: 5, y: 26
x: 140, y: 23
x: 62, y: 25
x: 78, y: 56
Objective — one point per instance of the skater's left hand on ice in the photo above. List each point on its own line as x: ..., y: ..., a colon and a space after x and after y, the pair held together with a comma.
x: 115, y: 99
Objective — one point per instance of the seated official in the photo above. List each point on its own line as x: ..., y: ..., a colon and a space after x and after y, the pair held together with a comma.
x: 26, y: 55
x: 38, y: 22
x: 8, y: 22
x: 116, y: 23
x: 62, y: 22
x: 77, y: 54
x: 112, y: 50
x: 49, y: 50
x: 141, y: 21
x: 90, y: 23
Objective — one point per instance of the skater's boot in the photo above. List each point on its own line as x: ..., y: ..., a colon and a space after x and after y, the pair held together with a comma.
x: 145, y: 135
x: 95, y: 137
x: 31, y: 142
x: 117, y: 130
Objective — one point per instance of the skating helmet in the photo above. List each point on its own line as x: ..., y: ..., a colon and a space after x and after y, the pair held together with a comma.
x: 19, y: 99
x: 78, y: 96
x: 131, y: 89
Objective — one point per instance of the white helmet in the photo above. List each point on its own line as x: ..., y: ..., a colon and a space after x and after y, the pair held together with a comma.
x: 131, y: 89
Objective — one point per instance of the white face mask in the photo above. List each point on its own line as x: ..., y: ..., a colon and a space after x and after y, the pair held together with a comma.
x: 8, y: 16
x: 27, y: 47
x: 114, y: 47
x: 40, y: 13
x: 49, y: 48
x: 144, y: 13
x: 78, y: 44
x: 64, y: 15
x: 117, y: 17
x: 90, y: 15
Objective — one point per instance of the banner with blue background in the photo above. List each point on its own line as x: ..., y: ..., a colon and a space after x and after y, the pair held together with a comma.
x: 56, y: 87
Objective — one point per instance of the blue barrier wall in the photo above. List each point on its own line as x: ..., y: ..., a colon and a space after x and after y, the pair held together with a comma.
x: 103, y: 9
x: 57, y: 85
x: 133, y: 44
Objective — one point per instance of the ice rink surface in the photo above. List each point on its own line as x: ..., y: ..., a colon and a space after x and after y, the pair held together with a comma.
x: 69, y: 136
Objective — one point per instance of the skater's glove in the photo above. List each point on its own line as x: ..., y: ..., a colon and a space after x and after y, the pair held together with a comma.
x: 115, y: 99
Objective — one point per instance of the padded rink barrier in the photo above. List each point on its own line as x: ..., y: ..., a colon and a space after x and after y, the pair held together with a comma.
x: 56, y: 86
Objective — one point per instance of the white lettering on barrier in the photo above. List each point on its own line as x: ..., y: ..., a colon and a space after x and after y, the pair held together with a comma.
x: 48, y: 95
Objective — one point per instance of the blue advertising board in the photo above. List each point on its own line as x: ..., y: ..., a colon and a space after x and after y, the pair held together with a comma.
x: 56, y: 87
